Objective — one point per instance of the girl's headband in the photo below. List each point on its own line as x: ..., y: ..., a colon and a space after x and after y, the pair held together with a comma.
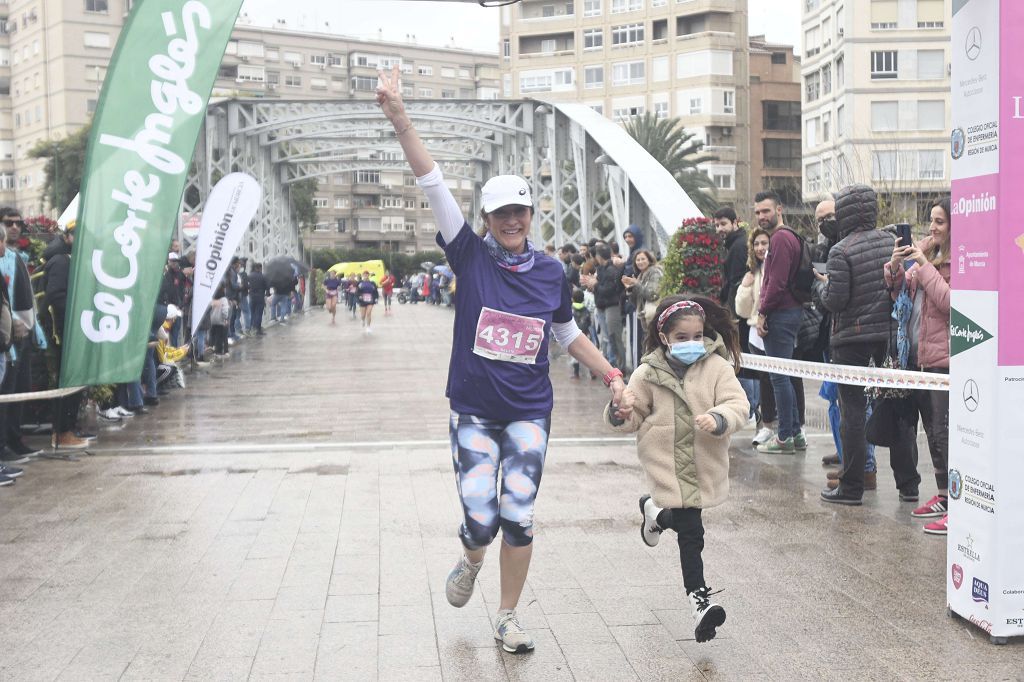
x: 675, y: 307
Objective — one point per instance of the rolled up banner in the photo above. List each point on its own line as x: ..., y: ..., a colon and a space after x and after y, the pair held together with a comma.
x: 226, y: 215
x: 143, y: 135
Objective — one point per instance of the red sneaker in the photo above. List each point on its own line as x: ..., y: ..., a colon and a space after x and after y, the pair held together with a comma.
x: 937, y: 527
x: 932, y: 508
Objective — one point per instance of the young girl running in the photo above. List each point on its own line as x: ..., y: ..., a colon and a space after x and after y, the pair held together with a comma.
x: 684, y: 401
x: 331, y: 284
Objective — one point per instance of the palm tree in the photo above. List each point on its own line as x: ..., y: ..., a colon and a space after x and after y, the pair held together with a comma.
x: 676, y: 149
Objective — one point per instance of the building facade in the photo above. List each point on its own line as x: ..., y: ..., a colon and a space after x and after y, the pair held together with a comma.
x: 628, y: 57
x: 775, y: 140
x: 876, y: 94
x: 54, y: 56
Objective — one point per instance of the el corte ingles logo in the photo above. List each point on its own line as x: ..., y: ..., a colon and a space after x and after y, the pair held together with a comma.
x: 964, y: 333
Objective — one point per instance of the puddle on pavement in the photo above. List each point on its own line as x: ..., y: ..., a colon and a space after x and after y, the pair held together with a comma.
x: 319, y: 470
x: 324, y: 470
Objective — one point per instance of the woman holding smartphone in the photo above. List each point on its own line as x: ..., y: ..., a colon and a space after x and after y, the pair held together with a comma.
x: 923, y: 270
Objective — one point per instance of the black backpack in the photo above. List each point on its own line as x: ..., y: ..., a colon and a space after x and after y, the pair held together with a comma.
x: 802, y: 282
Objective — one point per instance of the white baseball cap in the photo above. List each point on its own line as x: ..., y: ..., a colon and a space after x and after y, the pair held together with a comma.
x: 505, y: 190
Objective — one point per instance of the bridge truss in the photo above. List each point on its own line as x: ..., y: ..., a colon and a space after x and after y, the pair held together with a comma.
x: 581, y: 188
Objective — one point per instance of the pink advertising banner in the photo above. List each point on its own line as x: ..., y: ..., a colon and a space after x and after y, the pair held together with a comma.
x: 976, y: 236
x: 1011, y: 169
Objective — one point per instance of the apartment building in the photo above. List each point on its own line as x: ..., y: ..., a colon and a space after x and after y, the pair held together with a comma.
x: 876, y: 90
x: 54, y: 56
x: 685, y: 58
x: 775, y: 146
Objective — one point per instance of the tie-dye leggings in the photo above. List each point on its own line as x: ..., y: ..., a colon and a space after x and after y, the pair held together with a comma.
x: 483, y: 448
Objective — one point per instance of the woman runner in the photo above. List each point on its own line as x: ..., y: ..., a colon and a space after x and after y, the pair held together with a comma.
x: 366, y: 292
x: 512, y: 300
x: 331, y: 284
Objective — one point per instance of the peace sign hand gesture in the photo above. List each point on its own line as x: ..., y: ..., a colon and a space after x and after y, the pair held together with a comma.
x: 389, y: 94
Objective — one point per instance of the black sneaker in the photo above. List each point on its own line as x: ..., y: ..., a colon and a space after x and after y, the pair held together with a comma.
x: 909, y: 495
x: 10, y: 472
x: 5, y: 480
x: 837, y: 496
x: 8, y: 456
x: 151, y: 401
x: 19, y: 448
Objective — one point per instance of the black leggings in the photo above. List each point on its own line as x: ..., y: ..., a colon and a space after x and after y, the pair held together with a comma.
x: 690, y: 536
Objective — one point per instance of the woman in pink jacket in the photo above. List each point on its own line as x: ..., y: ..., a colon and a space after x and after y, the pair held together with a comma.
x: 924, y: 269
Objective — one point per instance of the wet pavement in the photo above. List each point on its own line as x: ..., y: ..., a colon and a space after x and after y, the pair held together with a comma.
x: 292, y: 515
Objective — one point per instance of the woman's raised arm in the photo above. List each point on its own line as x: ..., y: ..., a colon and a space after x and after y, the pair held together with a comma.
x: 389, y: 98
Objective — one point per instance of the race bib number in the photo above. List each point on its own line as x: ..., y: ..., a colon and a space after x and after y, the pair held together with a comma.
x: 367, y: 298
x: 508, y: 337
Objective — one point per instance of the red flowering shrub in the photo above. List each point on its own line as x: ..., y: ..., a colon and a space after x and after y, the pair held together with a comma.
x: 694, y: 260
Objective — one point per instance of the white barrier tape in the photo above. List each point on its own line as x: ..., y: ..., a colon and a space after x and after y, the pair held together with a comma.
x: 847, y: 374
x: 40, y: 395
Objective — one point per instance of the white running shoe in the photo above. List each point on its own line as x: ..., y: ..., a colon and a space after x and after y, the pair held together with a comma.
x: 763, y: 436
x: 650, y: 531
x: 112, y: 414
x: 507, y: 630
x: 121, y: 412
x: 459, y: 586
x: 707, y: 615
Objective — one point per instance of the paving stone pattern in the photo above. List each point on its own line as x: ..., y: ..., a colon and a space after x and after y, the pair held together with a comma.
x: 292, y: 515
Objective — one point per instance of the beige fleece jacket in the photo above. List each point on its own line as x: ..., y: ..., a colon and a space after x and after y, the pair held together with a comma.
x: 685, y: 467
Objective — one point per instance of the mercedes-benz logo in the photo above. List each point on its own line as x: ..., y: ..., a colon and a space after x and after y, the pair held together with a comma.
x: 973, y: 45
x: 971, y: 395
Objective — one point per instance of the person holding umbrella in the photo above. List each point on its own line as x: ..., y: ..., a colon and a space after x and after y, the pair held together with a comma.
x: 512, y: 300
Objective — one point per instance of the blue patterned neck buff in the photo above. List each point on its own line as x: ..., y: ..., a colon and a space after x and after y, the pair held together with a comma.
x: 514, y: 262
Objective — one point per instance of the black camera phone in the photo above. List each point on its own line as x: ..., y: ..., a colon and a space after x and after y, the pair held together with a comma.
x: 906, y: 238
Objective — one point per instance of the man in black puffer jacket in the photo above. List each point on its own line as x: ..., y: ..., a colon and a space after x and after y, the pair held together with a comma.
x: 856, y: 294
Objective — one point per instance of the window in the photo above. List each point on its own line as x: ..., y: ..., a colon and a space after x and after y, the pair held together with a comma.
x: 249, y: 49
x: 447, y: 72
x: 366, y: 177
x: 591, y: 8
x: 704, y: 62
x: 884, y: 14
x: 272, y: 55
x: 826, y: 127
x: 729, y: 101
x: 425, y: 70
x: 930, y: 14
x: 930, y: 165
x: 628, y: 34
x: 96, y: 6
x: 293, y: 81
x: 626, y: 5
x: 696, y: 104
x: 273, y: 77
x: 627, y: 73
x: 812, y: 41
x: 254, y: 74
x: 931, y: 65
x: 782, y: 154
x: 778, y: 57
x: 931, y: 115
x: 722, y: 180
x: 623, y: 113
x: 90, y: 107
x: 661, y: 109
x: 548, y: 46
x: 659, y: 69
x: 840, y: 72
x: 885, y: 116
x: 840, y: 120
x: 535, y: 81
x: 780, y: 116
x: 93, y: 39
x: 547, y: 11
x: 321, y: 84
x: 426, y: 92
x: 506, y: 49
x: 812, y: 86
x: 335, y: 60
x: 811, y: 136
x: 340, y: 202
x: 295, y: 59
x: 883, y: 165
x: 593, y: 38
x: 318, y: 59
x: 364, y: 83
x: 826, y: 79
x: 448, y: 94
x: 593, y: 77
x: 883, y: 64
x: 320, y: 202
x: 812, y: 172
x: 564, y: 79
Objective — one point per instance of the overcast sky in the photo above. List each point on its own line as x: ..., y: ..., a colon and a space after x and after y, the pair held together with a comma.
x: 461, y: 24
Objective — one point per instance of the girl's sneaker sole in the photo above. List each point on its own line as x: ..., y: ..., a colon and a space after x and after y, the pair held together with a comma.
x: 713, y: 619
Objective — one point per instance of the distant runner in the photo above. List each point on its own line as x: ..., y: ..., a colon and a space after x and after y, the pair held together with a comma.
x: 366, y: 292
x: 387, y: 285
x: 331, y: 284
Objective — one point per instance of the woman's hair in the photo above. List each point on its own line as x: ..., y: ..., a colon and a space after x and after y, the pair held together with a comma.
x: 650, y: 259
x: 752, y: 263
x: 578, y: 259
x: 938, y: 255
x: 717, y: 320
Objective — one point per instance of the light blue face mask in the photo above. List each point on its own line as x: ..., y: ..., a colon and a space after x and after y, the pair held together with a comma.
x: 687, y: 352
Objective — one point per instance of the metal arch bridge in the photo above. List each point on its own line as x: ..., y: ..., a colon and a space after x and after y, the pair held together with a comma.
x: 589, y: 178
